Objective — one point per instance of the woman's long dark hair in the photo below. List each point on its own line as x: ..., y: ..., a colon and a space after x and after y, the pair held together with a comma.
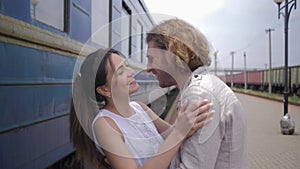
x: 86, y: 103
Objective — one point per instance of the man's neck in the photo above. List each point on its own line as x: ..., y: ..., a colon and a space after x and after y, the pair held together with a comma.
x: 182, y: 80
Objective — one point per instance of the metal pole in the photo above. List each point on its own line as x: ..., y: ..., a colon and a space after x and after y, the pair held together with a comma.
x: 215, y: 65
x: 245, y: 72
x: 232, y: 65
x: 270, y: 60
x: 286, y: 92
x: 215, y: 54
x: 287, y: 124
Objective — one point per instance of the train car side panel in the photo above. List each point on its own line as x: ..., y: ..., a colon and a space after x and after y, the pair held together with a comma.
x: 255, y: 77
x: 35, y: 97
x: 238, y: 78
x: 36, y: 146
x: 34, y: 85
x: 20, y: 11
x: 293, y: 75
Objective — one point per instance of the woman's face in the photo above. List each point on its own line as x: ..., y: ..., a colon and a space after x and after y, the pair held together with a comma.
x: 120, y: 77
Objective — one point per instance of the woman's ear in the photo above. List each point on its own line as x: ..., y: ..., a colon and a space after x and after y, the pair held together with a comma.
x: 103, y: 90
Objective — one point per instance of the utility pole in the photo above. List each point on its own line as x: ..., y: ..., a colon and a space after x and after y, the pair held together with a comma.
x: 245, y: 72
x: 215, y: 54
x: 268, y: 31
x: 232, y: 62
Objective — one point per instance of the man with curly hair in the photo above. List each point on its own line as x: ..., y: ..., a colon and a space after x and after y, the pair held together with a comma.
x: 178, y: 54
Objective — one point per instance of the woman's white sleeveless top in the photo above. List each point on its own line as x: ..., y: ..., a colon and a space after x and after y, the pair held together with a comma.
x: 139, y: 132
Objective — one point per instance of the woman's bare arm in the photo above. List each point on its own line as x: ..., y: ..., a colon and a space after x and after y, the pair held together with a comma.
x: 119, y: 156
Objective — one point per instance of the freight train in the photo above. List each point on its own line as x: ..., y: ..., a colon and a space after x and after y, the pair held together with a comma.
x: 41, y: 44
x: 259, y: 80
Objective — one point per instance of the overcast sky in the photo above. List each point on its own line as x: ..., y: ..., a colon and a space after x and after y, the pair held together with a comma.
x: 237, y: 25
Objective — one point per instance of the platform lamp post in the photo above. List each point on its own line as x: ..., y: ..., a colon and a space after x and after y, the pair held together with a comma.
x: 286, y: 123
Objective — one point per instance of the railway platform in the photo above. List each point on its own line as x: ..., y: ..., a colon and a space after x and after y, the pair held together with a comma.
x: 267, y: 147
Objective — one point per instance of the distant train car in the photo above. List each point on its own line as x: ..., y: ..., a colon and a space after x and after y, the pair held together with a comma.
x: 278, y: 77
x: 254, y: 79
x: 41, y: 43
x: 295, y: 79
x: 259, y: 79
x: 238, y: 79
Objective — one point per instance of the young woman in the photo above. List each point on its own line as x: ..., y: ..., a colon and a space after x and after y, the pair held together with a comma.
x: 127, y: 133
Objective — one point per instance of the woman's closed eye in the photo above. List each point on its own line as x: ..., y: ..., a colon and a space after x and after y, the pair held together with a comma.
x: 121, y: 68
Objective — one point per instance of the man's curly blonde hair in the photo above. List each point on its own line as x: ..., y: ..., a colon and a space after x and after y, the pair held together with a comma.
x: 183, y: 40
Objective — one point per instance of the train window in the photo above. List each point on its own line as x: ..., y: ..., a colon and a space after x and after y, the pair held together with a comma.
x: 100, y: 22
x: 52, y: 12
x: 126, y: 31
x: 139, y: 43
x: 145, y: 46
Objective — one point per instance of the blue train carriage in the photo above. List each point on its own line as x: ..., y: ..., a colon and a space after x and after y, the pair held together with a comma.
x: 39, y: 50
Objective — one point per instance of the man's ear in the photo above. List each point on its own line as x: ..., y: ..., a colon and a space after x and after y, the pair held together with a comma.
x: 103, y: 90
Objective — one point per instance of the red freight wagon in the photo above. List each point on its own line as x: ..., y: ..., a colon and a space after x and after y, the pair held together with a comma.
x: 238, y: 78
x: 255, y: 77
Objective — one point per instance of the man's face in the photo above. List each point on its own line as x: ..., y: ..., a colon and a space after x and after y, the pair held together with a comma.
x: 161, y: 65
